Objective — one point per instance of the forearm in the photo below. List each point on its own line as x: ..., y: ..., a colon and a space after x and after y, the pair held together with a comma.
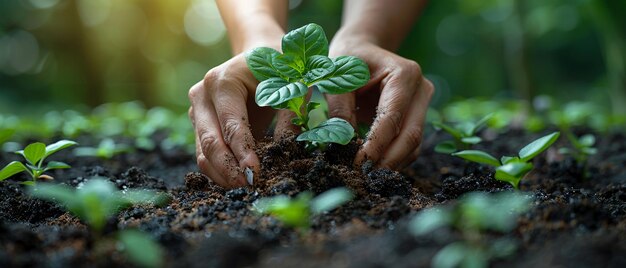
x: 253, y: 23
x: 384, y: 23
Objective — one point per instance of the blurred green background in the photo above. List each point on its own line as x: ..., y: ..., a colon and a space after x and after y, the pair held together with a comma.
x: 56, y: 54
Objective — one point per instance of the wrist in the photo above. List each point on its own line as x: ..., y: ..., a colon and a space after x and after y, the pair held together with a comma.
x: 345, y: 41
x: 260, y: 30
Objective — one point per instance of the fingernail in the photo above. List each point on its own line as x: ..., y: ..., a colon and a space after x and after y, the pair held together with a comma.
x: 249, y: 175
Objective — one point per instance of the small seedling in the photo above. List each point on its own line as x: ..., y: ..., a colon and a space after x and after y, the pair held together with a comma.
x: 97, y: 201
x: 35, y: 155
x: 107, y: 149
x: 512, y: 168
x: 297, y: 212
x: 464, y: 135
x: 581, y: 149
x: 474, y: 215
x: 285, y: 80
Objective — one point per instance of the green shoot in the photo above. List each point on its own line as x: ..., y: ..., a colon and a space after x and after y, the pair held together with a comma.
x: 35, y: 155
x: 582, y: 148
x: 474, y: 215
x: 97, y: 201
x: 297, y: 212
x: 512, y: 169
x: 107, y: 149
x: 285, y: 80
x: 464, y: 135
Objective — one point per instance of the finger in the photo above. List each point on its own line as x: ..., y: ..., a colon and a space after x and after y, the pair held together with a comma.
x: 232, y: 114
x: 222, y: 165
x: 396, y: 96
x: 284, y: 128
x: 205, y: 167
x: 403, y: 148
x: 410, y: 159
x: 342, y: 106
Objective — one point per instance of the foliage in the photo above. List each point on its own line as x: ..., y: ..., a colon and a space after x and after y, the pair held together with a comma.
x: 296, y: 212
x: 106, y: 149
x: 512, y: 168
x: 285, y: 80
x: 96, y: 201
x: 464, y: 134
x: 35, y: 155
x: 474, y: 215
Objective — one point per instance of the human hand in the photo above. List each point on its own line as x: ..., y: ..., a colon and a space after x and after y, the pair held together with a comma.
x: 220, y: 105
x: 401, y: 94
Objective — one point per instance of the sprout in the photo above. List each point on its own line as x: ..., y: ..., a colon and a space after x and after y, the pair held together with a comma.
x: 285, y: 80
x: 464, y: 135
x: 35, y: 154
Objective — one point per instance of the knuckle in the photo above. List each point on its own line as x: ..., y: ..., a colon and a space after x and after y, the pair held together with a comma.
x: 428, y: 87
x: 230, y: 128
x: 395, y: 120
x: 208, y: 143
x: 195, y: 92
x: 411, y: 68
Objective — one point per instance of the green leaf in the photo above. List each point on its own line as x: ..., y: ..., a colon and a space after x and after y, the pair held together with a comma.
x: 260, y: 61
x: 277, y: 91
x: 305, y: 42
x: 513, y: 172
x: 11, y: 169
x: 330, y: 200
x: 536, y: 147
x: 333, y: 130
x: 587, y: 140
x: 141, y: 249
x: 452, y: 131
x: 350, y: 74
x: 471, y: 140
x: 292, y: 212
x: 5, y: 134
x: 57, y: 146
x: 287, y: 65
x: 478, y: 157
x: 34, y: 152
x: 481, y: 123
x: 56, y: 165
x: 446, y: 147
x: 509, y: 159
x: 311, y: 106
x: 318, y: 67
x: 429, y: 220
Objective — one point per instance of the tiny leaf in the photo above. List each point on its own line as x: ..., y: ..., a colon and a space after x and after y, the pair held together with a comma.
x: 508, y: 159
x: 11, y: 169
x: 513, y: 172
x: 350, y: 74
x: 305, y: 42
x: 478, y: 157
x: 587, y: 140
x: 330, y: 200
x: 317, y: 68
x: 481, y: 123
x: 57, y: 146
x: 446, y: 147
x: 334, y: 130
x: 471, y: 140
x: 311, y: 106
x: 429, y: 220
x: 34, y: 152
x: 260, y: 61
x: 452, y: 131
x: 56, y: 165
x: 141, y: 249
x: 277, y: 91
x: 536, y: 147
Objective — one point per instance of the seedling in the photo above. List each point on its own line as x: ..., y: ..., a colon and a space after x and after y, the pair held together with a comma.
x: 106, y: 149
x: 475, y: 215
x: 581, y: 149
x: 297, y: 212
x: 285, y: 80
x: 512, y: 168
x: 35, y: 155
x: 464, y: 135
x: 97, y: 201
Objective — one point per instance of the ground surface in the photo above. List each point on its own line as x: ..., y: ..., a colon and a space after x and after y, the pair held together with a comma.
x: 574, y: 222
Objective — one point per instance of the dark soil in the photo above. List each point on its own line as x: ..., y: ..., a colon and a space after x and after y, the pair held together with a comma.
x: 575, y: 221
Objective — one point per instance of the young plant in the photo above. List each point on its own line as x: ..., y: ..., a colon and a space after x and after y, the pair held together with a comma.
x: 297, y: 212
x: 474, y: 215
x: 464, y: 135
x: 285, y: 80
x: 35, y: 155
x: 96, y: 202
x: 511, y: 168
x: 582, y: 148
x: 107, y: 149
